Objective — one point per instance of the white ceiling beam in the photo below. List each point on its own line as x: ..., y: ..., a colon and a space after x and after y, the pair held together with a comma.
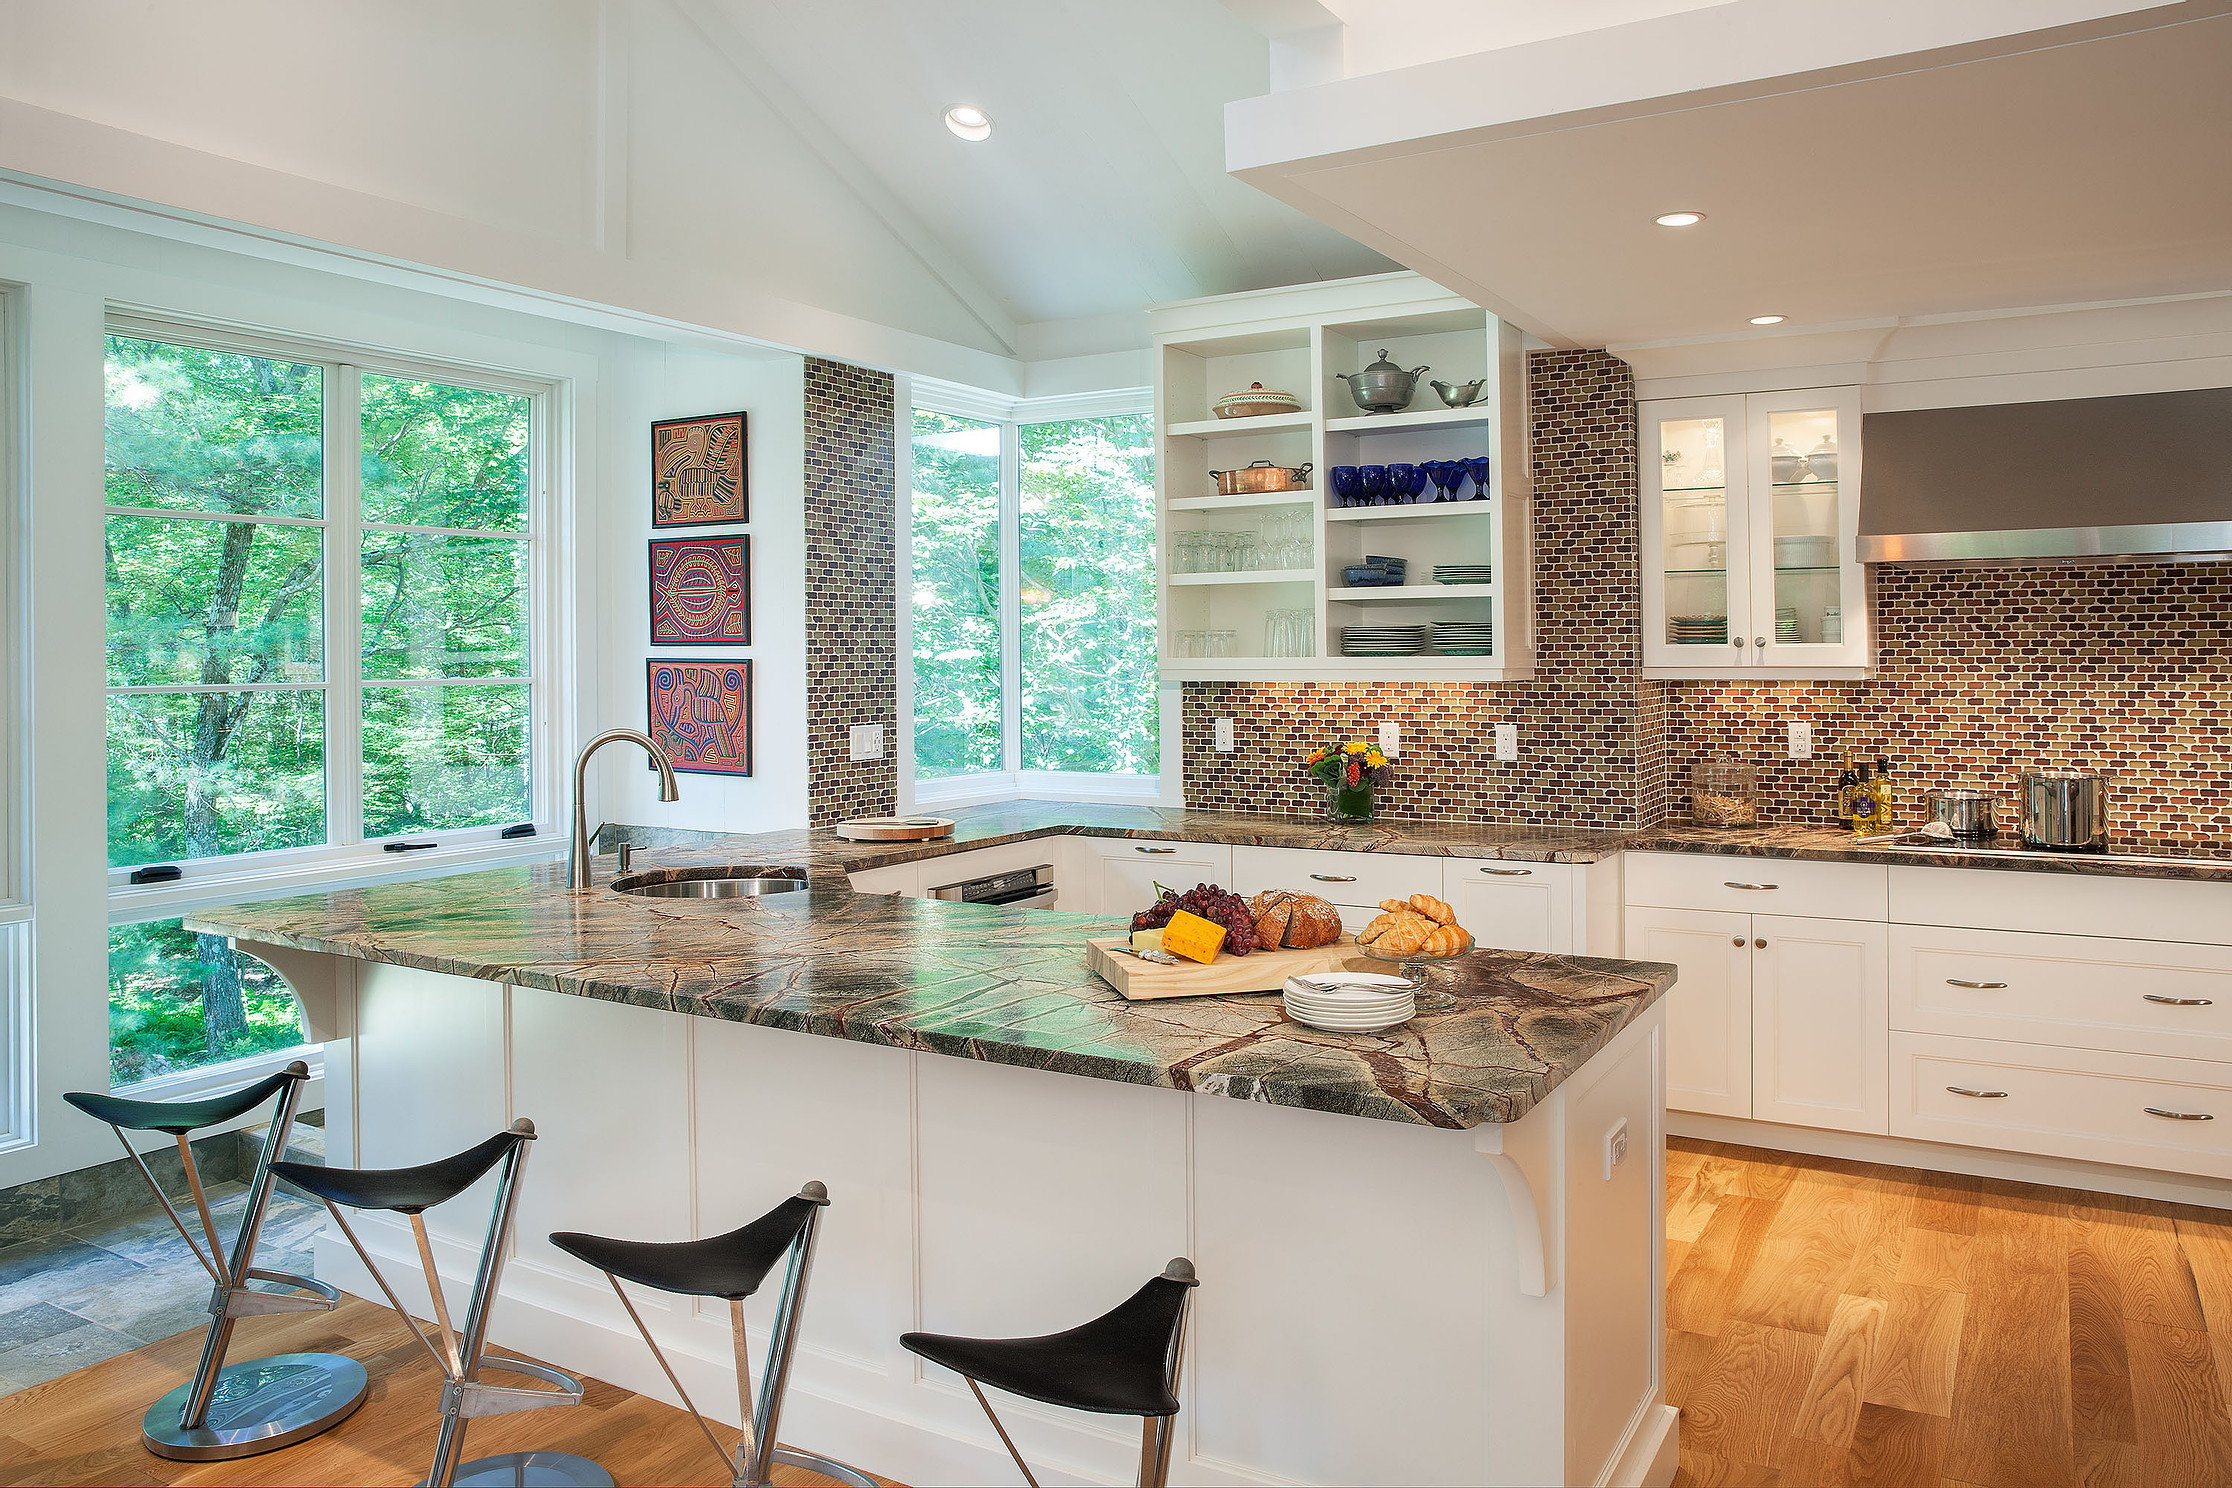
x: 1308, y: 42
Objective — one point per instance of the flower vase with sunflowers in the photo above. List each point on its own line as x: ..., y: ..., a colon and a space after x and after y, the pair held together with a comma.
x: 1350, y: 773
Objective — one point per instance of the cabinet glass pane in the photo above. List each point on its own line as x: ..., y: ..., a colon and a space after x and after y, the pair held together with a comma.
x: 1693, y: 475
x: 1802, y: 460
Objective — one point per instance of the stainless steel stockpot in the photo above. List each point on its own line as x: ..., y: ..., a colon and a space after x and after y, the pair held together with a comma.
x: 2065, y: 810
x: 1972, y: 814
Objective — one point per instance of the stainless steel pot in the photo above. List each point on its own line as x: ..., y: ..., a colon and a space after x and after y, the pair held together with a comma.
x: 1261, y: 477
x: 2065, y: 810
x: 1383, y: 387
x: 1972, y: 814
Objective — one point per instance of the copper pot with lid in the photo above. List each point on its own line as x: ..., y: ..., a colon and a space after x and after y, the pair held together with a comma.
x: 1261, y: 477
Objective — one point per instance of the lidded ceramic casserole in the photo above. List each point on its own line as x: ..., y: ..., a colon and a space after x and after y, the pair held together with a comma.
x: 1255, y: 401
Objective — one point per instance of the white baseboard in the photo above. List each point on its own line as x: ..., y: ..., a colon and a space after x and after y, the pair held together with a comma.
x: 1944, y: 1157
x: 1652, y: 1454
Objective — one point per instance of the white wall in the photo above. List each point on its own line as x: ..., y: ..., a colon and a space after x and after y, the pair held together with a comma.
x: 61, y: 276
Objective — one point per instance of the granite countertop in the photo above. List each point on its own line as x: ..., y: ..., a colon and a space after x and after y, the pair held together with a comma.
x: 1009, y: 986
x: 822, y: 855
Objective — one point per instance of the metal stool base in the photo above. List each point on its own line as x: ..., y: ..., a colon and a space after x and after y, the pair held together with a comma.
x: 261, y: 1405
x: 531, y: 1470
x: 828, y: 1467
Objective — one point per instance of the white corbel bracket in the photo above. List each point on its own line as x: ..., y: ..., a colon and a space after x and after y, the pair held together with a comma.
x: 1530, y: 1247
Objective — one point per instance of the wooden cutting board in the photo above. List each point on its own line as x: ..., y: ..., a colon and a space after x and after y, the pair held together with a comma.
x: 1259, y: 971
x: 894, y: 828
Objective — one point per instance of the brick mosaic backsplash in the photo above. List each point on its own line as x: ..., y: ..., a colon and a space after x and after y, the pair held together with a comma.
x: 851, y: 597
x: 1585, y: 720
x: 1984, y: 671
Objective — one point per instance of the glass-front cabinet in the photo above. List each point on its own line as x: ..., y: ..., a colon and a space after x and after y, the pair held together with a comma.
x: 1750, y: 535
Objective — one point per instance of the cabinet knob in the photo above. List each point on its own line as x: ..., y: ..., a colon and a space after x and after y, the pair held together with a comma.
x: 1738, y: 942
x: 1761, y: 943
x: 1738, y: 643
x: 1760, y: 642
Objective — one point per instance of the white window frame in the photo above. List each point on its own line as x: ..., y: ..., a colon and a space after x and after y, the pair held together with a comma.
x: 347, y: 853
x: 18, y: 1034
x: 1011, y: 782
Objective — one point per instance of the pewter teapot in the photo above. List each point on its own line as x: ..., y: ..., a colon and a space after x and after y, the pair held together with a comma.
x: 1383, y: 387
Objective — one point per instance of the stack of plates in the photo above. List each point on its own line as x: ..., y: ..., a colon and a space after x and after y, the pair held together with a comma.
x: 1464, y: 638
x: 1351, y: 1001
x: 1464, y: 573
x: 1382, y: 640
x: 1786, y: 625
x: 1697, y: 630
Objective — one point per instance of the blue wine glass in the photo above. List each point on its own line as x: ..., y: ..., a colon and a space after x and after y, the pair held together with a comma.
x: 1373, y: 480
x: 1408, y: 486
x: 1345, y: 483
x: 1448, y: 476
x: 1478, y: 467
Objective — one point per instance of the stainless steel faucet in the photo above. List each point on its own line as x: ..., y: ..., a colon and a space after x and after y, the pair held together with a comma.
x: 577, y: 863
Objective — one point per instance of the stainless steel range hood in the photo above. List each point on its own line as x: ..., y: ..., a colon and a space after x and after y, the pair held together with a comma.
x: 2144, y: 478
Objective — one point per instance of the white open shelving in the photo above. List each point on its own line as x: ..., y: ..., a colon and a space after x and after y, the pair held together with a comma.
x: 1301, y: 340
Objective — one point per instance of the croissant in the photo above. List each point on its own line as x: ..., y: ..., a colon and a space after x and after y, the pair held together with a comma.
x: 1447, y: 940
x: 1370, y: 934
x: 1406, y: 937
x: 1437, y: 910
x: 1394, y: 906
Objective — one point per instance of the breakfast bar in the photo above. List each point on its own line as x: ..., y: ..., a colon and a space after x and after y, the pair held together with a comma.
x: 1429, y: 1255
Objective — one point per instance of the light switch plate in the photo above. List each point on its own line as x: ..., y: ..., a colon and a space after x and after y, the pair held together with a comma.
x: 1225, y: 744
x: 1801, y: 739
x: 1507, y: 741
x: 1391, y: 739
x: 867, y: 741
x: 1615, y: 1147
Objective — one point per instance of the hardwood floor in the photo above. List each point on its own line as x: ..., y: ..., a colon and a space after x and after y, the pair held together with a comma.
x: 1833, y: 1324
x: 84, y: 1427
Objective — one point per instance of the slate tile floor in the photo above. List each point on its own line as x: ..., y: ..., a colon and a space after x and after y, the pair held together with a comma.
x: 80, y: 1296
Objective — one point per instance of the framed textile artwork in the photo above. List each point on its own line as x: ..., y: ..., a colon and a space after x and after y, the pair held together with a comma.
x: 701, y: 714
x: 701, y: 591
x: 698, y: 472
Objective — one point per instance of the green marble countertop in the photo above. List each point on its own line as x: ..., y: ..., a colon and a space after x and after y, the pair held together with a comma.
x: 1009, y: 986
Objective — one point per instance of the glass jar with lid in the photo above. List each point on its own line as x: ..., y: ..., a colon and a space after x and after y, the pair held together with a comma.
x: 1724, y: 792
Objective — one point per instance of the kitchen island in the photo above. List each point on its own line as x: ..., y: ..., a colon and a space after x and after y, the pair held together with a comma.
x: 1429, y: 1256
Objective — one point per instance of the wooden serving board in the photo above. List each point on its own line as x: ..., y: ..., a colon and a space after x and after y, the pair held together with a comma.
x: 1259, y: 971
x: 894, y: 829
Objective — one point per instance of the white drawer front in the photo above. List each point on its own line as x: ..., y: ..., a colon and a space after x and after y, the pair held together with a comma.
x: 1516, y: 906
x: 1781, y: 886
x: 2135, y: 996
x: 1350, y: 878
x: 2138, y: 1110
x: 2064, y: 903
x: 1120, y: 874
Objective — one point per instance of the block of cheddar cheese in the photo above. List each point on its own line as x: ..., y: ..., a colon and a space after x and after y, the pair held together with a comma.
x: 1194, y: 938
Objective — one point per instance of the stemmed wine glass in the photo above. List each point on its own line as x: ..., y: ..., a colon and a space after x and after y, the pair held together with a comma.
x: 1478, y: 467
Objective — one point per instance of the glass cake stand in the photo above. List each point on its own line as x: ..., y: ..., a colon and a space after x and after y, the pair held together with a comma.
x: 1418, y: 970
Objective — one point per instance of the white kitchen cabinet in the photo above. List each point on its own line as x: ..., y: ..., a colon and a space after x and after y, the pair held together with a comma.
x: 1347, y: 880
x: 1819, y: 1017
x: 894, y: 878
x: 1709, y: 1066
x: 1516, y: 906
x: 1118, y: 875
x: 1750, y: 533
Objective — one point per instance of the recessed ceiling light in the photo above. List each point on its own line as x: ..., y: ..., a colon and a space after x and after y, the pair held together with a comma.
x: 1769, y: 319
x: 969, y: 121
x: 1679, y: 219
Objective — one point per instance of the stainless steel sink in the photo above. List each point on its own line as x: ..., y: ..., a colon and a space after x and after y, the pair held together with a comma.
x: 713, y: 886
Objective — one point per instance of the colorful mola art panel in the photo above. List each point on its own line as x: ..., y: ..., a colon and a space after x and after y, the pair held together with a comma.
x: 701, y: 714
x: 701, y: 591
x: 698, y: 471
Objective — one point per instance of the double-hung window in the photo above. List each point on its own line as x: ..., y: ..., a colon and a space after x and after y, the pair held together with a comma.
x: 321, y: 582
x: 1032, y: 604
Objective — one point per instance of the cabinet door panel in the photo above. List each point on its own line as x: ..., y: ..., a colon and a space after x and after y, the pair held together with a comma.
x: 1124, y: 874
x: 1514, y: 906
x: 1695, y: 574
x: 1709, y: 1010
x: 1821, y: 1012
x: 1808, y: 588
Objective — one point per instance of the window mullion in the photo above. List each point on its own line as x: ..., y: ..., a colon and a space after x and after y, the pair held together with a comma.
x: 1011, y: 609
x: 344, y: 404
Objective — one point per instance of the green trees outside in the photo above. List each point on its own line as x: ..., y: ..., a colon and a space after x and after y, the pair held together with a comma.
x: 217, y: 578
x: 1085, y: 599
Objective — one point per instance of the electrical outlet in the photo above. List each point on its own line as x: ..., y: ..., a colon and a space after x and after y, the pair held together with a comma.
x: 867, y: 741
x: 1507, y: 741
x: 1391, y: 739
x: 1225, y: 744
x: 1801, y: 739
x: 1615, y: 1147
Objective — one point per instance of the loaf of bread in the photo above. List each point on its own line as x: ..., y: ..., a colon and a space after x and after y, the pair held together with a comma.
x: 1301, y: 922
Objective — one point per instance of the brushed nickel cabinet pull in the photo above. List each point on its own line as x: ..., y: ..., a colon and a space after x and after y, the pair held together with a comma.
x: 1731, y: 883
x: 1977, y: 1094
x: 2177, y: 1115
x: 1155, y: 849
x: 1981, y: 986
x: 2179, y: 1001
x: 1509, y: 872
x: 1334, y: 877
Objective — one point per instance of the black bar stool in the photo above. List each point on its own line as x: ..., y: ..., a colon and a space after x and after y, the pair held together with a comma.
x: 731, y: 1267
x: 1122, y: 1363
x: 236, y: 1410
x: 411, y: 1192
